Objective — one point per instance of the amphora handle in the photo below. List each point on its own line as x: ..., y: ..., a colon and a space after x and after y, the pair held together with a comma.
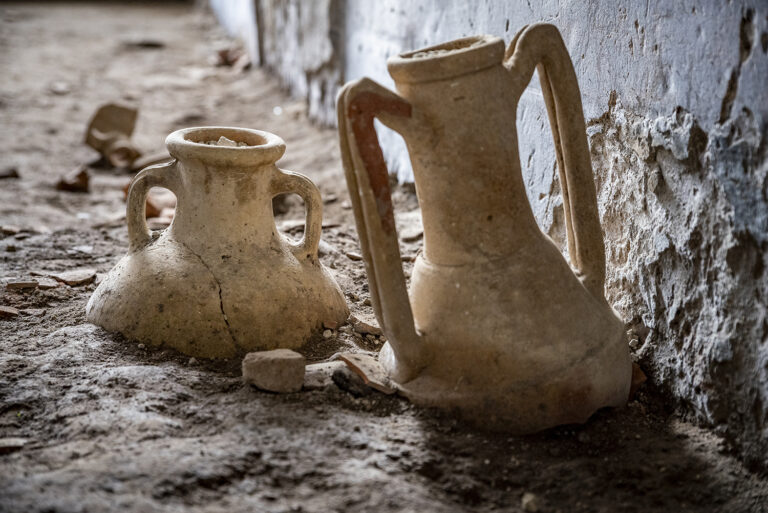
x: 541, y: 47
x: 161, y: 175
x: 367, y: 177
x: 289, y: 182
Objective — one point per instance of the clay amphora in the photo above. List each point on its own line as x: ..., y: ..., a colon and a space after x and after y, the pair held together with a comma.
x: 220, y: 280
x: 498, y: 326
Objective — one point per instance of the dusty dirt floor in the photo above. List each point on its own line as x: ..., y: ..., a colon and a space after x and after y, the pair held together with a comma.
x: 109, y: 425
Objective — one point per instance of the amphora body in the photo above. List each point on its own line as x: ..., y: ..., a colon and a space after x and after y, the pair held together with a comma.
x: 220, y: 280
x: 497, y: 325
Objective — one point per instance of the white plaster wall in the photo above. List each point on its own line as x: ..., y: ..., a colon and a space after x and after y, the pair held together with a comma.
x: 238, y: 17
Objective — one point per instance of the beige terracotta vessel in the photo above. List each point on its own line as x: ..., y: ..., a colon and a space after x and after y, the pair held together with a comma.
x: 498, y: 326
x: 220, y: 280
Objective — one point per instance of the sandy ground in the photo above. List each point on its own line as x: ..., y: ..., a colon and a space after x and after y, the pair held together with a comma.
x: 112, y: 426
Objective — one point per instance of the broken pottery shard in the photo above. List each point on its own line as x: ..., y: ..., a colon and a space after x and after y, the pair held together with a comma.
x: 8, y: 312
x: 279, y: 370
x: 364, y: 327
x: 75, y: 277
x: 318, y: 376
x: 9, y: 445
x: 75, y: 181
x: 21, y: 284
x: 350, y: 381
x: 369, y: 369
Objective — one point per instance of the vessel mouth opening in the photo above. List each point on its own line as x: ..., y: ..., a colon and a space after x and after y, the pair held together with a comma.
x: 440, y: 50
x: 225, y: 138
x: 447, y: 60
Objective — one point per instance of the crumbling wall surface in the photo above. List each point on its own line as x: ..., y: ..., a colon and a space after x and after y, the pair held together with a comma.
x: 676, y: 104
x: 300, y: 43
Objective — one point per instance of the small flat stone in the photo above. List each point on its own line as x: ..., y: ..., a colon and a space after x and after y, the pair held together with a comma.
x: 75, y: 277
x: 9, y: 172
x: 9, y: 445
x: 353, y: 256
x: 280, y: 370
x: 530, y: 502
x: 8, y: 312
x: 21, y: 285
x: 47, y: 283
x: 33, y: 312
x: 9, y: 229
x: 369, y: 369
x: 318, y: 376
x: 364, y: 326
x: 326, y: 249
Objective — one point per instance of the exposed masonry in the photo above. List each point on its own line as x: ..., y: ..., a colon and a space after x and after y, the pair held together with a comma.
x: 686, y: 229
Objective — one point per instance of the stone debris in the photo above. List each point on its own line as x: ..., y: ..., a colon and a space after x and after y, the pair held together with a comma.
x: 638, y: 378
x: 364, y: 327
x: 325, y: 248
x: 371, y: 372
x: 60, y: 88
x: 279, y: 370
x: 75, y: 277
x: 9, y: 445
x: 318, y: 376
x: 409, y: 226
x: 9, y: 229
x: 225, y: 141
x: 529, y: 502
x: 33, y: 312
x: 327, y: 334
x: 354, y: 256
x: 46, y: 283
x: 143, y: 44
x: 8, y: 312
x: 77, y: 180
x: 9, y: 172
x: 349, y: 381
x: 21, y: 285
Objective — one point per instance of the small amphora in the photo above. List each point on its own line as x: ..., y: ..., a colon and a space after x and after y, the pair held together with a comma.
x: 496, y: 326
x: 220, y: 280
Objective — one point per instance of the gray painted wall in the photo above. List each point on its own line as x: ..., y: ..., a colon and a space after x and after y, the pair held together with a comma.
x: 675, y: 99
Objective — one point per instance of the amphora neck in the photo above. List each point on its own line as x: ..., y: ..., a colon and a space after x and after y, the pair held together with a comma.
x: 462, y: 142
x: 225, y: 189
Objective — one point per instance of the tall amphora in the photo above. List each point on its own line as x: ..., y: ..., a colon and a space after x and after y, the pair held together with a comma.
x: 496, y: 325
